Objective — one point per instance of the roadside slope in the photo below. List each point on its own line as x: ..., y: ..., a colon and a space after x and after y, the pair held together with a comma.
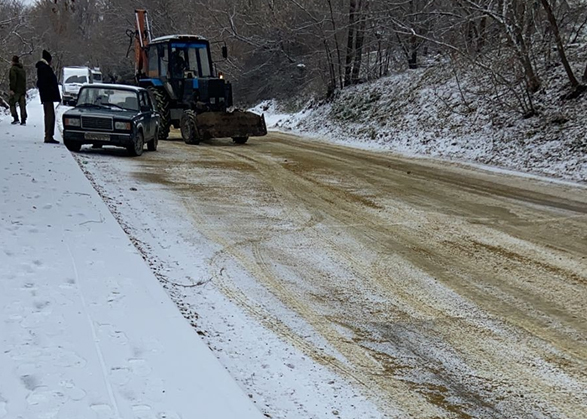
x: 431, y: 112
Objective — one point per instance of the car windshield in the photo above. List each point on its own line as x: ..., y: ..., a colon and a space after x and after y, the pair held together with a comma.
x: 109, y: 98
x: 76, y: 79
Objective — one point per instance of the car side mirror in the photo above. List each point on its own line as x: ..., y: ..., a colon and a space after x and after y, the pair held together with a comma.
x: 224, y: 51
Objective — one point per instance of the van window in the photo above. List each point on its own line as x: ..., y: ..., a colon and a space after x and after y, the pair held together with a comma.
x: 97, y: 77
x: 76, y: 79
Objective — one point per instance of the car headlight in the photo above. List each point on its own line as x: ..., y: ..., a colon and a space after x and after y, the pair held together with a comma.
x: 72, y: 122
x: 123, y: 126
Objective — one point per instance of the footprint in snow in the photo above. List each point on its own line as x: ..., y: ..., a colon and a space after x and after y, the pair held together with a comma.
x: 30, y: 382
x: 103, y: 411
x: 72, y: 391
x: 143, y: 412
x: 116, y: 336
x: 139, y: 367
x: 119, y: 376
x: 68, y: 284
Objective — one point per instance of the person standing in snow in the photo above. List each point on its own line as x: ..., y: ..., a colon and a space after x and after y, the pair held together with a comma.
x: 17, y: 78
x: 49, y: 92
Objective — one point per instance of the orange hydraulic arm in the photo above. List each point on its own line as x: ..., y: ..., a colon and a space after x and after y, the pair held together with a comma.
x: 142, y: 39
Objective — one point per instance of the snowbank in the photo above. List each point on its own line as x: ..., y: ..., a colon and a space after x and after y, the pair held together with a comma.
x: 87, y: 331
x: 428, y: 113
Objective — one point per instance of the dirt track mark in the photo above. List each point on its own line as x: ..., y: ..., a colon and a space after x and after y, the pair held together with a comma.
x: 446, y: 292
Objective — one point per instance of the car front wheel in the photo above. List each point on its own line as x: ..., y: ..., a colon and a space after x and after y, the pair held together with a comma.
x: 240, y: 140
x: 72, y: 145
x: 136, y: 148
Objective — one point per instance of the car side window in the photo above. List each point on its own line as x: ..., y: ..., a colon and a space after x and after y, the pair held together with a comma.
x: 148, y: 100
x: 142, y: 100
x: 152, y: 102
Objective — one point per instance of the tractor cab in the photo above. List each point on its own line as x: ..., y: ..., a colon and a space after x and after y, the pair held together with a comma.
x: 179, y: 73
x: 182, y: 65
x: 179, y: 57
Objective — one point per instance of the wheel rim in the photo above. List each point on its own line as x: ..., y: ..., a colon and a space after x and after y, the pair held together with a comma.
x: 186, y: 129
x: 139, y: 144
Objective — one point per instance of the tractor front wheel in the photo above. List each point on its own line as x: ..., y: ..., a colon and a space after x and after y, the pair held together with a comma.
x: 189, y: 129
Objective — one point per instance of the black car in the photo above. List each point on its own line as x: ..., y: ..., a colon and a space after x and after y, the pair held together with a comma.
x: 112, y: 114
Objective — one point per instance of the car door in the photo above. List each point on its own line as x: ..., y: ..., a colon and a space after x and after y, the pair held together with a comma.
x: 146, y: 111
x: 153, y: 118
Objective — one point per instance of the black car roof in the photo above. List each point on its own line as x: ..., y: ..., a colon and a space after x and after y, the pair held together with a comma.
x: 115, y: 86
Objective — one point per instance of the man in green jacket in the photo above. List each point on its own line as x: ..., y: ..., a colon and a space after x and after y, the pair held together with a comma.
x: 17, y: 77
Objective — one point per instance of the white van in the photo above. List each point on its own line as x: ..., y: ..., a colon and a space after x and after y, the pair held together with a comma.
x: 72, y: 78
x: 96, y: 75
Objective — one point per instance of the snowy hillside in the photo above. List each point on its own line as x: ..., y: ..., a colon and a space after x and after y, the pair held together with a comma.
x: 430, y: 112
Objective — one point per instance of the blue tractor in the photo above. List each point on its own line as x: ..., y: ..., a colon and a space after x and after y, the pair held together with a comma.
x: 189, y: 93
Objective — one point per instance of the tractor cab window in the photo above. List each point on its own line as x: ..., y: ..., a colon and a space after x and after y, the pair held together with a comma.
x: 204, y: 61
x: 153, y: 62
x: 190, y: 60
x: 163, y: 60
x: 179, y: 63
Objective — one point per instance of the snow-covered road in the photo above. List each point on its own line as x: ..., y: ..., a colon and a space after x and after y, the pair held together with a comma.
x: 331, y: 280
x: 86, y: 330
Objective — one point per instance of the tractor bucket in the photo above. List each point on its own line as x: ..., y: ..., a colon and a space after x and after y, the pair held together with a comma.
x: 233, y: 124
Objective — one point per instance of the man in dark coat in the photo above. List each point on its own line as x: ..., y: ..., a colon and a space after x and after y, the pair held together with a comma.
x: 17, y: 77
x: 49, y: 92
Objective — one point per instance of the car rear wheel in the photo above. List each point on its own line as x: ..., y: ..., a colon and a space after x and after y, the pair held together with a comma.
x: 72, y: 146
x: 152, y: 145
x: 136, y: 148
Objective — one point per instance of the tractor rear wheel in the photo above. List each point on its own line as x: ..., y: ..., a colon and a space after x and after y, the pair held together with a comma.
x: 189, y: 129
x: 163, y: 106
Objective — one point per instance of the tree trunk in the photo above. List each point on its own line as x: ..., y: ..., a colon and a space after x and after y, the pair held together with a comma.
x: 350, y: 43
x: 331, y: 70
x: 335, y: 36
x: 360, y: 37
x: 517, y: 38
x: 413, y: 57
x: 559, y: 43
x: 531, y: 77
x: 482, y: 34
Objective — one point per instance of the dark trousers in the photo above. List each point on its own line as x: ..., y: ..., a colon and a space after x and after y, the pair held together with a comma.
x: 19, y: 99
x: 49, y: 109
